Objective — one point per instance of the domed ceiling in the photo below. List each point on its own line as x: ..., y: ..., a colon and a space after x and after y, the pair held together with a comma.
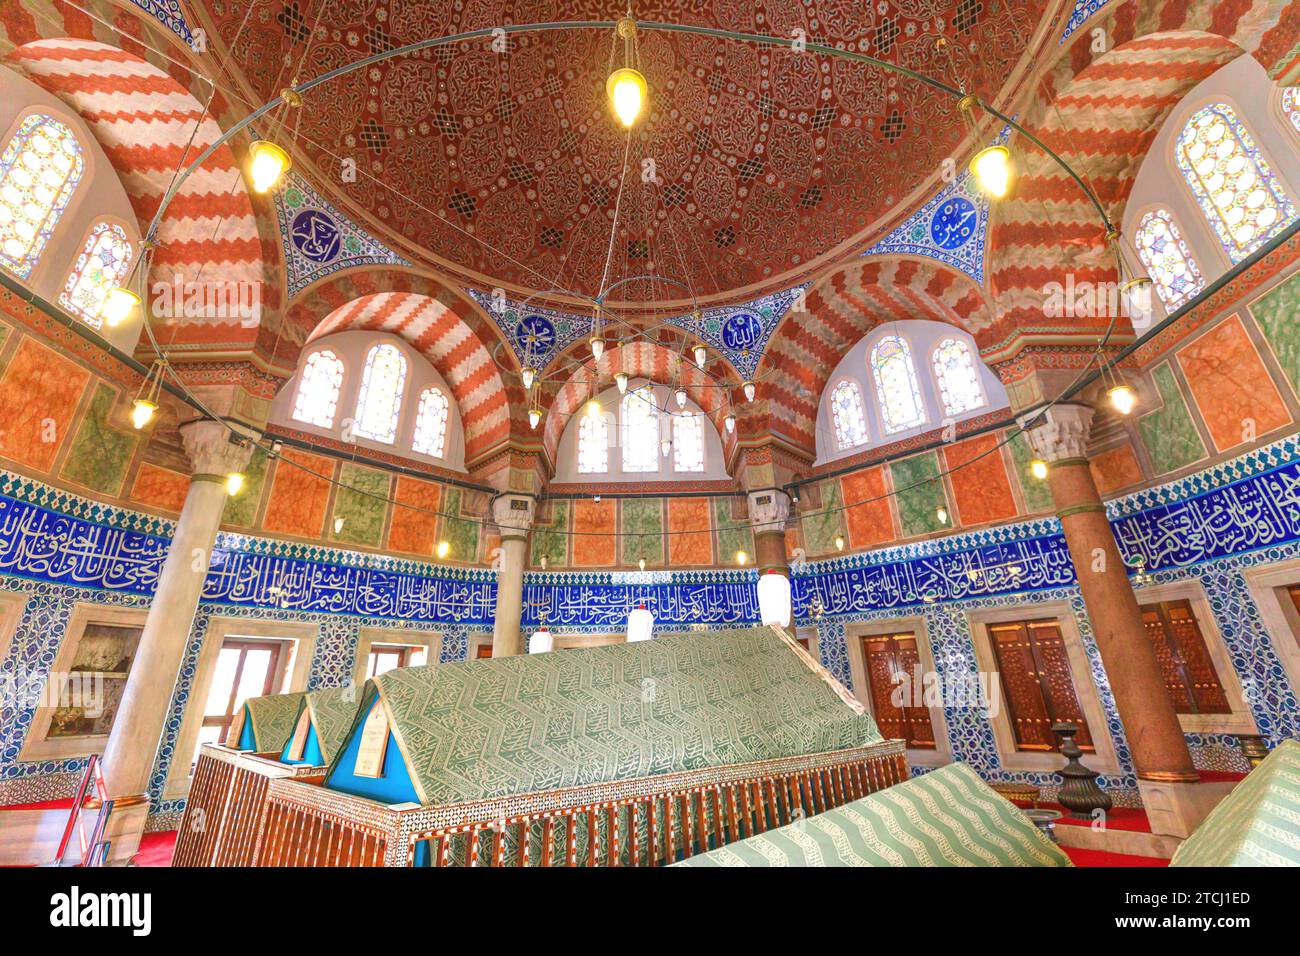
x: 504, y: 168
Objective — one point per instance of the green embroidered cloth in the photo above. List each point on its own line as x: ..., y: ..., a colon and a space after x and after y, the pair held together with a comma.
x: 1258, y: 824
x: 511, y: 725
x: 273, y: 719
x: 332, y: 713
x: 948, y: 817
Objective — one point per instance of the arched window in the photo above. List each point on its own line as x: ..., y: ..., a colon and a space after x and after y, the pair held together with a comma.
x: 380, y: 399
x: 318, y: 389
x: 1167, y: 259
x: 896, y: 386
x: 1242, y: 200
x: 959, y: 381
x: 39, y: 169
x: 640, y: 416
x: 431, y: 423
x: 593, y: 445
x: 849, y: 415
x: 1291, y: 106
x: 688, y: 442
x: 102, y: 265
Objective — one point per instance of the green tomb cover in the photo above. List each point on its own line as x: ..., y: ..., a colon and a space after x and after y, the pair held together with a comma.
x: 332, y: 712
x: 1258, y: 824
x: 272, y: 719
x: 948, y: 817
x: 510, y: 725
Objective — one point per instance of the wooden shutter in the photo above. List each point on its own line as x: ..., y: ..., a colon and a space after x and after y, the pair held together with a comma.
x: 1190, y: 679
x: 884, y: 656
x: 1036, y: 682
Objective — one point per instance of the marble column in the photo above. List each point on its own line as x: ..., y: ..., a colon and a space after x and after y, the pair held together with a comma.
x: 138, y: 726
x: 1160, y: 755
x: 513, y: 515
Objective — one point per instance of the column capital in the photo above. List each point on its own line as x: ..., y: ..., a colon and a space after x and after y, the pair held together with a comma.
x: 513, y: 513
x: 1059, y: 432
x: 768, y: 511
x: 215, y: 448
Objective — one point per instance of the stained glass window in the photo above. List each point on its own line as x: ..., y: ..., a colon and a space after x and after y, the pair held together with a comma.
x: 431, y: 423
x: 593, y: 445
x: 1291, y: 106
x: 640, y: 417
x: 1239, y: 195
x: 959, y: 381
x: 688, y: 442
x: 39, y: 169
x: 318, y: 389
x: 1168, y: 261
x: 380, y: 400
x: 103, y: 264
x: 897, y: 389
x: 849, y: 414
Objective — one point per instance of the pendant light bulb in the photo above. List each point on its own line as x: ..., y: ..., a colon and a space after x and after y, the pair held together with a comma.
x: 534, y: 417
x: 269, y: 162
x: 142, y: 412
x: 701, y: 356
x: 665, y: 446
x: 621, y: 381
x: 597, y: 347
x: 680, y: 395
x: 730, y: 422
x: 641, y: 564
x: 235, y: 483
x: 750, y: 391
x: 1123, y: 398
x: 338, y: 525
x: 839, y: 542
x: 1038, y: 468
x: 993, y: 171
x: 528, y: 374
x: 627, y: 91
x: 593, y: 409
x: 118, y: 305
x: 942, y: 514
x: 742, y: 558
x: 444, y: 548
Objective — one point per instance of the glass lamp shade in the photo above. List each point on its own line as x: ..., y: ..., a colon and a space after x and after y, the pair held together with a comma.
x: 640, y: 624
x: 621, y: 381
x: 750, y: 391
x: 774, y: 598
x: 541, y: 642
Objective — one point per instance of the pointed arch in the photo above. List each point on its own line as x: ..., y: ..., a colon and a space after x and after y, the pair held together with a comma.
x: 40, y: 167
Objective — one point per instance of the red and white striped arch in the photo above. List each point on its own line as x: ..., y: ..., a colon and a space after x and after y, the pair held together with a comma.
x: 439, y: 333
x: 146, y: 122
x: 1115, y: 103
x: 842, y: 307
x: 641, y: 359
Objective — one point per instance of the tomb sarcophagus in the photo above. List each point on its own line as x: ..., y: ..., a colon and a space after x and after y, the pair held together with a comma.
x: 630, y: 754
x: 284, y: 736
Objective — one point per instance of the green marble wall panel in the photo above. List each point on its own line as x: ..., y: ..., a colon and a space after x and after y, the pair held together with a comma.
x: 734, y: 533
x: 920, y: 493
x: 642, y: 531
x: 100, y: 453
x: 1038, y: 497
x: 1169, y: 433
x: 1278, y: 315
x: 361, y: 501
x: 821, y: 525
x: 460, y: 533
x: 549, y: 540
x: 241, y: 510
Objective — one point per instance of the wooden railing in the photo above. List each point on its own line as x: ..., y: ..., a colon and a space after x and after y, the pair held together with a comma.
x: 645, y: 822
x: 227, y: 798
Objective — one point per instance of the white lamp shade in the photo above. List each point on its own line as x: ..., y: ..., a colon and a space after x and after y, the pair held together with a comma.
x: 541, y: 642
x: 640, y: 625
x: 774, y: 598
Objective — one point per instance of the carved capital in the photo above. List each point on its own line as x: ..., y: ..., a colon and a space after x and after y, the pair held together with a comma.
x: 768, y: 510
x: 211, y: 449
x: 1060, y: 432
x: 513, y: 513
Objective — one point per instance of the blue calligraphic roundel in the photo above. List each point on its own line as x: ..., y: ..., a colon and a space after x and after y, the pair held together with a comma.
x: 743, y: 330
x: 534, y: 335
x: 316, y: 235
x: 953, y: 223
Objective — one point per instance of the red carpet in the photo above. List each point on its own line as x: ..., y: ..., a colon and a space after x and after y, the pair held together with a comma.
x: 156, y: 849
x: 1103, y: 858
x: 64, y: 804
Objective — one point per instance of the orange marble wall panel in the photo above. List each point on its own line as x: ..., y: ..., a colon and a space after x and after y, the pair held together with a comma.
x: 298, y: 498
x: 870, y: 523
x: 980, y: 483
x: 160, y: 487
x: 39, y: 393
x: 593, y: 545
x: 1234, y: 393
x: 1115, y: 468
x: 414, y: 531
x: 696, y: 548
